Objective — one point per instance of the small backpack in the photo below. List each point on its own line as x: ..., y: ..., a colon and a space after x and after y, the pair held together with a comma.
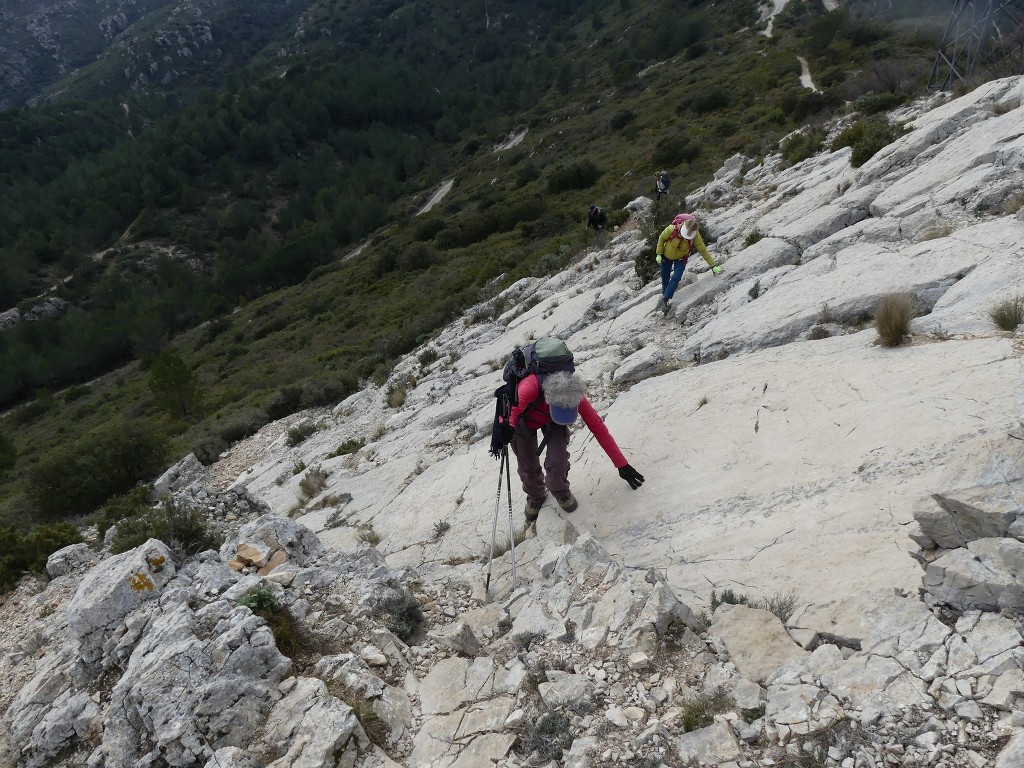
x: 664, y: 182
x: 544, y: 356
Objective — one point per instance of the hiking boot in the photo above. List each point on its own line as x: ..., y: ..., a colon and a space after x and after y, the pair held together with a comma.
x: 532, y: 510
x: 664, y: 307
x: 568, y: 503
x: 662, y: 304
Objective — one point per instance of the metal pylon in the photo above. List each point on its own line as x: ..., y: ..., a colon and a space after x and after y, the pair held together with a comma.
x: 968, y: 40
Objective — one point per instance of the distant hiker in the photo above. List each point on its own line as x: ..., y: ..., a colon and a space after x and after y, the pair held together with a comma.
x: 550, y: 403
x: 661, y: 183
x: 678, y: 240
x: 597, y: 218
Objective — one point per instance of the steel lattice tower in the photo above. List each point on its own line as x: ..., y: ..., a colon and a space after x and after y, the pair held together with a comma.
x: 988, y: 32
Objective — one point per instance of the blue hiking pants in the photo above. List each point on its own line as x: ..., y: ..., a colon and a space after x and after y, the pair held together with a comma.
x: 675, y: 268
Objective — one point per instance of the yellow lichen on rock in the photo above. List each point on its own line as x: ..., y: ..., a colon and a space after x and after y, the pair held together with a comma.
x: 140, y: 582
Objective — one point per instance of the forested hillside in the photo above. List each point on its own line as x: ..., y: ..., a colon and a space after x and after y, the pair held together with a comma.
x: 203, y: 236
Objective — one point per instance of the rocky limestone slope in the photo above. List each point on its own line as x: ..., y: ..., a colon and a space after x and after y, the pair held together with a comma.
x: 787, y: 455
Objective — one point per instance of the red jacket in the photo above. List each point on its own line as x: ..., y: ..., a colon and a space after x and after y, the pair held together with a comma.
x: 540, y: 416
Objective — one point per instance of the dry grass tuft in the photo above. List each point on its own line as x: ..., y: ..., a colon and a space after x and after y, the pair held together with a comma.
x: 892, y: 318
x: 1008, y: 314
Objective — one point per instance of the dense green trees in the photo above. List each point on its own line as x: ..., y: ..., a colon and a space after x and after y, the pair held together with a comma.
x: 78, y: 478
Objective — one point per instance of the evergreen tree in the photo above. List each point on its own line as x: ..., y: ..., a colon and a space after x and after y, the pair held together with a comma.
x: 175, y: 385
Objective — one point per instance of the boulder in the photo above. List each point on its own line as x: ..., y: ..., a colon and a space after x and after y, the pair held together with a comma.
x: 69, y: 559
x: 757, y: 642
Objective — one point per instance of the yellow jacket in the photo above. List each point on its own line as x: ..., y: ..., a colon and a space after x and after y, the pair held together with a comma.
x: 679, y: 247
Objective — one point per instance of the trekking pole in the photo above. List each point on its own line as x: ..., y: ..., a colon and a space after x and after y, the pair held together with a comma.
x: 511, y: 524
x: 494, y: 526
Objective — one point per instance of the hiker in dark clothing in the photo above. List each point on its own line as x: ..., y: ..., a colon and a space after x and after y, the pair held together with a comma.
x: 661, y: 184
x: 597, y: 218
x: 550, y: 403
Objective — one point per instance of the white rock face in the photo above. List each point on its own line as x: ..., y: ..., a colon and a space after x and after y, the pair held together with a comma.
x: 784, y: 450
x: 111, y: 592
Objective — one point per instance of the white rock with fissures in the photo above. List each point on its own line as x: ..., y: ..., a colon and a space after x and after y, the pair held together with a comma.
x: 113, y: 590
x: 755, y: 639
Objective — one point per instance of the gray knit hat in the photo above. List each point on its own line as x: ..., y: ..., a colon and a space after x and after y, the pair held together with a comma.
x: 563, y: 392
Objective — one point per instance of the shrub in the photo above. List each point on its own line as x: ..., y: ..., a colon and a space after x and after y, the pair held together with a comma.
x: 727, y: 597
x: 291, y: 637
x: 107, y: 461
x: 396, y: 395
x: 241, y: 425
x: 709, y: 101
x: 374, y: 727
x: 755, y: 290
x: 700, y: 711
x: 24, y: 552
x: 123, y: 506
x: 549, y: 737
x: 754, y: 237
x: 441, y: 527
x: 369, y: 535
x: 314, y: 481
x: 581, y: 175
x: 782, y: 604
x: 892, y: 318
x: 1006, y: 315
x: 866, y: 137
x: 621, y: 119
x: 428, y: 356
x: 208, y: 449
x: 179, y: 526
x: 818, y: 332
x: 300, y: 432
x: 404, y: 612
x: 349, y: 446
x: 284, y: 402
x: 801, y: 146
x: 674, y: 150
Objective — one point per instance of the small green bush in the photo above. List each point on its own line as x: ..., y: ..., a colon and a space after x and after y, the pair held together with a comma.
x: 291, y: 637
x: 428, y: 356
x: 727, y: 597
x: 892, y: 318
x: 1006, y: 315
x: 123, y: 506
x: 179, y: 526
x: 300, y: 432
x: 441, y: 527
x: 404, y: 612
x: 801, y: 146
x: 866, y: 137
x: 754, y: 237
x: 755, y: 290
x: 347, y: 447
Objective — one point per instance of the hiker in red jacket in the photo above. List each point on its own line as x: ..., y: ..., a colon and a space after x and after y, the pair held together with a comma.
x: 551, y: 406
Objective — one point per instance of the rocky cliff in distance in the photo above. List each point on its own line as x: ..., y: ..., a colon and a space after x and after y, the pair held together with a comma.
x: 789, y: 457
x: 109, y: 46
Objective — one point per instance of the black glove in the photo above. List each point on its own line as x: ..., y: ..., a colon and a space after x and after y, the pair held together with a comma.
x: 507, y: 432
x: 631, y: 476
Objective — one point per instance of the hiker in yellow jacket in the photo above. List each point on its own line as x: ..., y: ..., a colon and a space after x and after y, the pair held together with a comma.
x: 678, y: 240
